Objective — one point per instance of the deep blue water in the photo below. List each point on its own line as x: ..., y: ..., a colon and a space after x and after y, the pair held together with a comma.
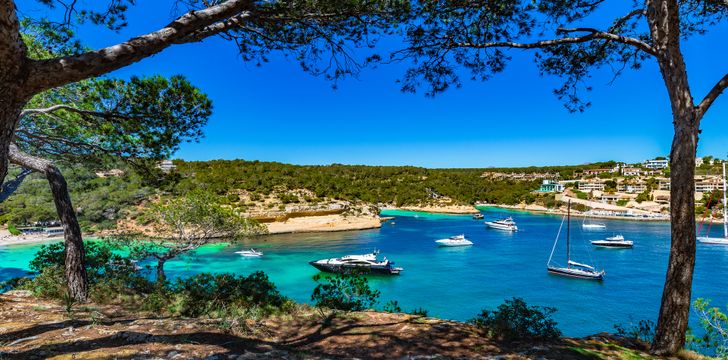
x: 456, y: 283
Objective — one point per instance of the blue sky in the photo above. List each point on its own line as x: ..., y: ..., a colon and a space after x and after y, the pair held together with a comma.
x: 279, y: 113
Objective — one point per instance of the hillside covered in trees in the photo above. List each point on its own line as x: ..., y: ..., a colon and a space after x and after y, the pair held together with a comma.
x: 100, y: 201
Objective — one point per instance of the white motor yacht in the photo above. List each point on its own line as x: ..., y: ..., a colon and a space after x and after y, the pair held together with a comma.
x: 457, y: 240
x: 503, y: 224
x: 616, y: 241
x: 250, y: 253
x: 365, y: 264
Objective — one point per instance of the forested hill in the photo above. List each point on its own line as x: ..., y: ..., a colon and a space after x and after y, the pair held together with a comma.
x: 101, y: 201
x: 398, y: 185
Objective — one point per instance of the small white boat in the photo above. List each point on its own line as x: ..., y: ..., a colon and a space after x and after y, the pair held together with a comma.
x: 593, y: 226
x: 616, y: 241
x: 457, y: 240
x: 478, y: 216
x: 503, y: 224
x: 724, y: 240
x: 250, y: 253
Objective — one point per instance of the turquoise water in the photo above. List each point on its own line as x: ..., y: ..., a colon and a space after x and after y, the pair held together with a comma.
x: 456, y: 283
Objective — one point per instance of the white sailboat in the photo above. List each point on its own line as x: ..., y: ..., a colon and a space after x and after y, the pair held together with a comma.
x: 592, y: 226
x: 572, y: 269
x: 724, y: 240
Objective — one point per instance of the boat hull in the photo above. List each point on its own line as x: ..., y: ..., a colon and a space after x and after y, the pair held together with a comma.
x: 355, y: 269
x: 713, y: 241
x: 613, y: 244
x: 450, y: 244
x: 575, y: 273
x: 495, y: 226
x: 593, y: 226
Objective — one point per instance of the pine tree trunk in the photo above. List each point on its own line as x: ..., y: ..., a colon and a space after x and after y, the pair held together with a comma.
x: 161, y: 277
x: 75, y: 252
x: 673, y: 319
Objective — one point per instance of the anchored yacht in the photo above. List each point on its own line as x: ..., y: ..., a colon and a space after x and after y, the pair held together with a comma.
x: 365, y: 264
x: 250, y: 253
x: 503, y: 224
x: 457, y: 240
x: 616, y: 241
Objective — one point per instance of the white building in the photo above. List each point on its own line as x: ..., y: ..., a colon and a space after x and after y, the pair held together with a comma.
x: 591, y: 186
x: 657, y: 164
x: 166, y: 165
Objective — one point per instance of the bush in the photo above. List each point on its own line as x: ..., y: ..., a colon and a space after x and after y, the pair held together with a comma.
x: 110, y: 275
x: 419, y: 311
x: 643, y: 330
x: 392, y: 306
x: 13, y: 230
x: 350, y: 292
x: 207, y: 294
x: 101, y: 262
x: 515, y: 320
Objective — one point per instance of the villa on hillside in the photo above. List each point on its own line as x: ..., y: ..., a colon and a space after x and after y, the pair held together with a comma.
x: 548, y: 186
x: 657, y: 164
x: 587, y: 186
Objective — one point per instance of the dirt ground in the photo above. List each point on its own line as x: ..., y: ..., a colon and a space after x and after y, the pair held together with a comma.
x: 38, y: 329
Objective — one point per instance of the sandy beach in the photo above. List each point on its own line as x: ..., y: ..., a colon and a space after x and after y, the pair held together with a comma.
x: 7, y: 239
x: 324, y: 223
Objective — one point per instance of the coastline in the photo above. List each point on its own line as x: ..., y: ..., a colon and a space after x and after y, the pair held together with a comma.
x: 538, y: 210
x: 323, y: 223
x: 434, y: 209
x: 10, y: 240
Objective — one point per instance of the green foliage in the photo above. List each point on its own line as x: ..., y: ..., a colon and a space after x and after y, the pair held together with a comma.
x: 349, y: 292
x: 642, y: 330
x: 420, y: 311
x: 515, y: 320
x: 392, y: 306
x: 399, y: 185
x: 99, y: 202
x: 580, y: 194
x: 13, y: 230
x: 101, y: 261
x: 622, y: 202
x: 207, y: 294
x: 715, y: 325
x: 644, y: 196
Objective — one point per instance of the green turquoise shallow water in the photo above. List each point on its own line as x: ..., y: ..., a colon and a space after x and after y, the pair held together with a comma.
x: 456, y: 283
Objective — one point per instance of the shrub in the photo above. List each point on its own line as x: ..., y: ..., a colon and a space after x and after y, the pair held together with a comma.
x: 392, y: 306
x: 715, y: 324
x: 350, y: 292
x: 515, y: 320
x: 643, y: 330
x: 206, y: 294
x: 13, y: 230
x: 101, y: 262
x: 419, y: 311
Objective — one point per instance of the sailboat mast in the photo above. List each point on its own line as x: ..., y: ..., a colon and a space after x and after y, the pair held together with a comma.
x: 725, y: 215
x: 568, y: 234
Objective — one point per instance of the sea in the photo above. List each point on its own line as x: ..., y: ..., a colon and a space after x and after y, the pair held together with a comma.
x: 457, y: 283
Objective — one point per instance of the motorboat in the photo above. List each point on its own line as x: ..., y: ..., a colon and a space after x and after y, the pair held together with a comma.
x: 478, y: 216
x: 572, y: 269
x: 250, y: 253
x: 363, y: 264
x: 457, y: 240
x: 503, y: 224
x: 616, y: 241
x: 717, y: 240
